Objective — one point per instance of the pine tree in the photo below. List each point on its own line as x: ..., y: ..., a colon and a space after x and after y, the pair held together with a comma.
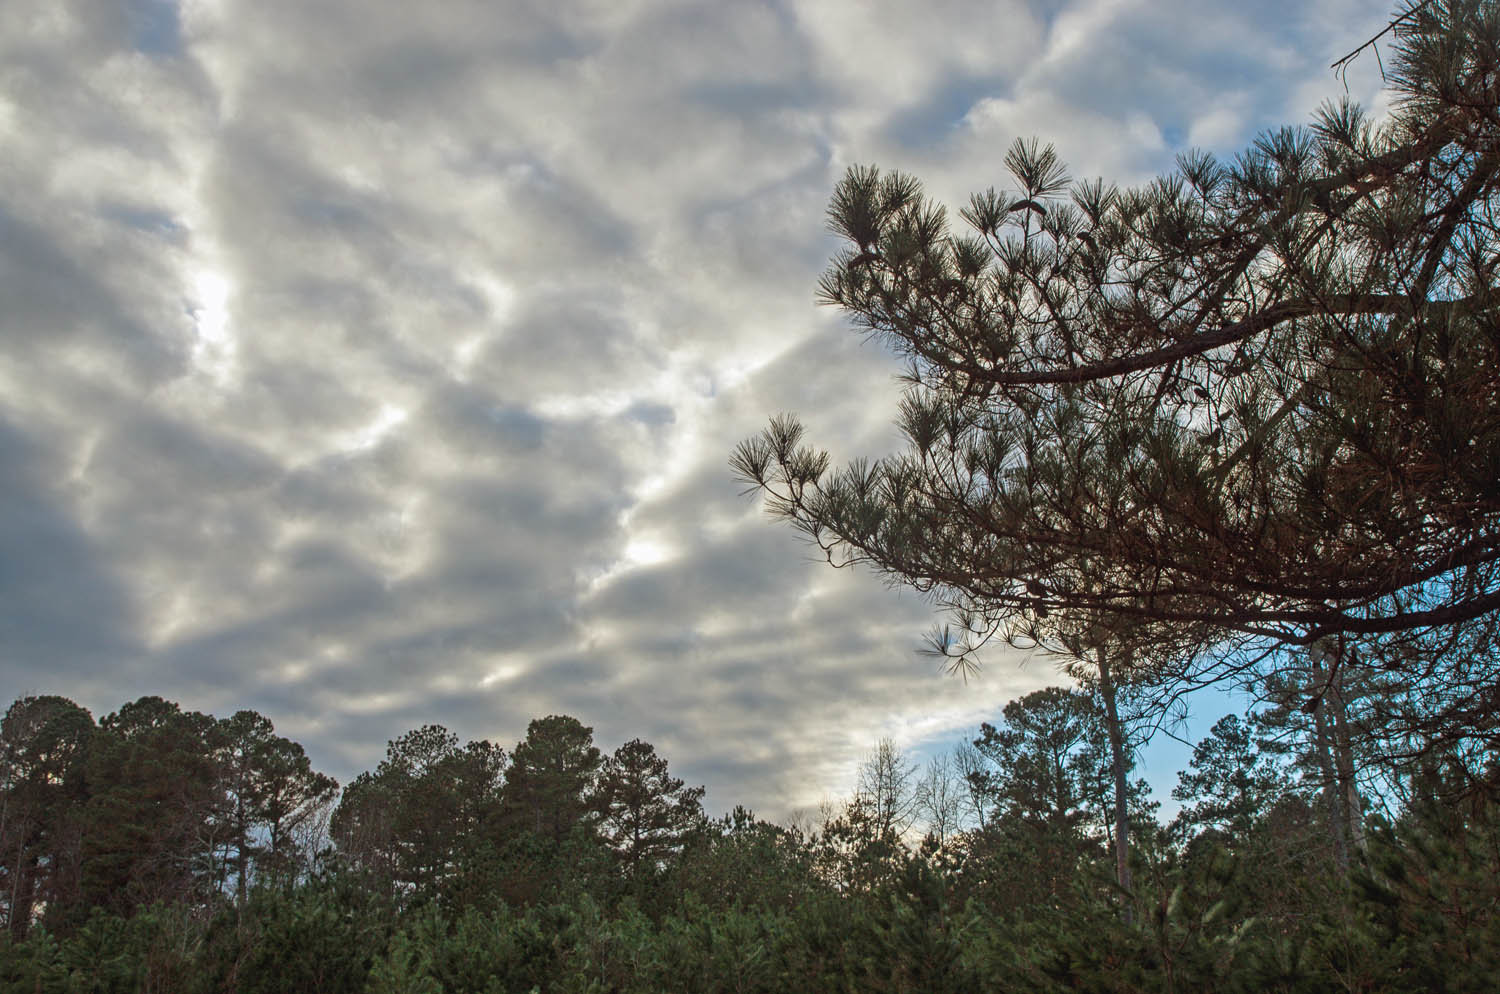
x: 151, y: 827
x: 413, y: 821
x: 551, y: 776
x: 1260, y: 398
x: 44, y: 745
x: 646, y: 814
x: 1229, y: 784
x: 269, y: 787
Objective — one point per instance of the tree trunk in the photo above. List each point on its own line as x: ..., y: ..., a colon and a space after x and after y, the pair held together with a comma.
x: 1350, y: 806
x: 22, y: 893
x: 1118, y: 763
x: 242, y: 842
x: 1324, y: 746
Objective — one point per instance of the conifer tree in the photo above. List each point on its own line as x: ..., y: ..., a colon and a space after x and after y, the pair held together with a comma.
x: 551, y: 777
x: 411, y: 821
x: 646, y: 813
x: 269, y: 788
x: 1260, y: 397
x: 151, y: 826
x: 1229, y: 783
x: 43, y: 751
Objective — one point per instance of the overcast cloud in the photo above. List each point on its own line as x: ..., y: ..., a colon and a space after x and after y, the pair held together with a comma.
x: 370, y: 363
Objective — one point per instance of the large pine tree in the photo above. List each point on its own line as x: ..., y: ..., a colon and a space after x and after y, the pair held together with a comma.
x: 1259, y: 396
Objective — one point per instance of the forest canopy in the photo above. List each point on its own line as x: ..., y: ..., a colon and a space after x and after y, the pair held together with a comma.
x: 167, y: 850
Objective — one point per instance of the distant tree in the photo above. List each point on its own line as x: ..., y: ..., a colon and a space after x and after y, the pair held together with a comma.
x: 887, y: 790
x: 740, y: 860
x: 1230, y: 783
x: 414, y: 818
x: 940, y: 798
x: 551, y: 778
x: 363, y: 826
x: 151, y: 831
x: 270, y: 788
x: 424, y: 805
x: 44, y: 745
x: 1047, y: 783
x: 862, y: 844
x: 1260, y: 396
x: 1128, y: 671
x: 477, y: 772
x: 1046, y: 761
x: 240, y: 739
x: 978, y: 800
x: 1326, y: 715
x: 290, y: 796
x: 854, y: 850
x: 646, y: 814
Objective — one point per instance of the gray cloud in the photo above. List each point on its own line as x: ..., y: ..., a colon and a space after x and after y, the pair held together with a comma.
x: 62, y: 603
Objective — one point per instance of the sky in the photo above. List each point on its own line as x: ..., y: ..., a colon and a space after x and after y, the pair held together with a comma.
x: 372, y: 364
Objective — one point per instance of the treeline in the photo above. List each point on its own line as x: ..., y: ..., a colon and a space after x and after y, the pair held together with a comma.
x: 167, y: 850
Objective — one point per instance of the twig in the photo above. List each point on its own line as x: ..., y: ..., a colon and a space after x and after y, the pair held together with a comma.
x: 1341, y: 65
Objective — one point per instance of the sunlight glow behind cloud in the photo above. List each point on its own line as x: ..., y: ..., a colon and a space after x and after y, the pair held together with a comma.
x: 214, y: 349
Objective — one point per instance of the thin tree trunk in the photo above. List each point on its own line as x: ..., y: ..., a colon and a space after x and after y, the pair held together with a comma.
x: 1349, y: 800
x: 242, y: 843
x: 1323, y: 745
x: 20, y: 888
x: 1118, y: 763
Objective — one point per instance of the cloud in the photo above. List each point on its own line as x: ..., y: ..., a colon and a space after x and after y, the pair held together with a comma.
x: 371, y: 364
x: 62, y: 602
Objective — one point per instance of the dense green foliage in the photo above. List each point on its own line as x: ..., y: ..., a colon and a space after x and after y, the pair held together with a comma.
x: 455, y: 867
